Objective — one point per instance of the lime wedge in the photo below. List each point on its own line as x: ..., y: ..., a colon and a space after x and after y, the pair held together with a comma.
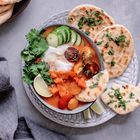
x: 97, y: 107
x: 41, y: 87
x: 87, y: 114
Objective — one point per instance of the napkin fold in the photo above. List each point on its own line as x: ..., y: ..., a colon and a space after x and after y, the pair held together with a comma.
x: 10, y: 126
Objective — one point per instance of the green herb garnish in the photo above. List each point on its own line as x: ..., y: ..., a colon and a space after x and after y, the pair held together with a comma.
x: 97, y: 13
x: 36, y: 49
x: 131, y: 95
x: 87, y: 32
x: 111, y: 52
x: 122, y: 103
x: 89, y: 21
x: 106, y: 45
x: 108, y: 35
x: 112, y: 63
x: 94, y: 85
x: 120, y: 39
x: 99, y: 42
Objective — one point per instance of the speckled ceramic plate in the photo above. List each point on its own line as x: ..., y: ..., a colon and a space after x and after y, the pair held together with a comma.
x: 78, y: 120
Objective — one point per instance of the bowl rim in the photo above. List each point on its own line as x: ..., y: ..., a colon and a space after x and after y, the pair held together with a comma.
x: 88, y: 104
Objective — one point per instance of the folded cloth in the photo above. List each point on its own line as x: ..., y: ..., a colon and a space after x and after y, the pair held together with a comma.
x: 10, y: 127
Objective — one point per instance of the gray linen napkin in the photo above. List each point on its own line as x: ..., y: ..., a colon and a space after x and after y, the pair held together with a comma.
x: 10, y: 126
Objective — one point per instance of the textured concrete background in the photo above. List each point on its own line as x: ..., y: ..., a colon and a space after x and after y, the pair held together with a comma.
x: 12, y: 41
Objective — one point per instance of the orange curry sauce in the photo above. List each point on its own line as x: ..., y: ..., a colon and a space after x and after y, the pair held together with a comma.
x: 68, y: 84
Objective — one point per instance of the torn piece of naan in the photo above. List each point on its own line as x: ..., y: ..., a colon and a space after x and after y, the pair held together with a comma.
x: 94, y: 87
x: 122, y: 99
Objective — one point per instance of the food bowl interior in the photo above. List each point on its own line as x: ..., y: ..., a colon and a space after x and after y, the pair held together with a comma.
x: 86, y: 37
x: 101, y: 66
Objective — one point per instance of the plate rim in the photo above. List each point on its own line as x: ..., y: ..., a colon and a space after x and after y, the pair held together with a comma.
x: 113, y: 114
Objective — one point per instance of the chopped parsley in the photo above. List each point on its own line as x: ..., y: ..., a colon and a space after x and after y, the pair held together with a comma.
x: 89, y: 21
x: 111, y: 52
x: 87, y: 32
x: 87, y: 12
x: 99, y: 21
x: 106, y: 45
x: 120, y: 39
x: 112, y: 63
x: 94, y: 85
x: 97, y: 13
x: 99, y: 42
x: 108, y: 35
x: 131, y: 95
x: 122, y: 103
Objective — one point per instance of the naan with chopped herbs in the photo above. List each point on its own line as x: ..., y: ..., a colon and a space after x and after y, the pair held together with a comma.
x: 122, y: 99
x: 116, y: 46
x: 94, y: 87
x: 89, y: 19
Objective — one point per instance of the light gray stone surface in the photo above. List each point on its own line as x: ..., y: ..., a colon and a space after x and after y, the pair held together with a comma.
x: 12, y: 41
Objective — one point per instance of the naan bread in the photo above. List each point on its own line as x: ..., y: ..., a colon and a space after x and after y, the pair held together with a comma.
x: 90, y: 19
x: 94, y: 87
x: 122, y: 99
x: 6, y: 15
x: 4, y: 8
x: 4, y: 2
x: 116, y: 45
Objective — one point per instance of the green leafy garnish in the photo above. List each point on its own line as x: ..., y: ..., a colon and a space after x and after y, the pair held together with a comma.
x: 131, y: 95
x: 106, y: 45
x: 97, y: 13
x: 120, y: 39
x: 94, y: 85
x: 122, y: 103
x: 99, y: 42
x: 31, y: 71
x: 111, y: 52
x: 87, y: 32
x: 89, y: 21
x: 36, y: 49
x: 109, y: 36
x: 112, y: 63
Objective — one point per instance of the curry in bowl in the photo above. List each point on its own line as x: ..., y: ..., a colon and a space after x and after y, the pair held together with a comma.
x: 59, y: 62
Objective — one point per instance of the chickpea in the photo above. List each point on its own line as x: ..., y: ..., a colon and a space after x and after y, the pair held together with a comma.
x: 73, y: 103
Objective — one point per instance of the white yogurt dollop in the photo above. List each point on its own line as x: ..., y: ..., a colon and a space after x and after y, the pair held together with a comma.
x: 56, y: 59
